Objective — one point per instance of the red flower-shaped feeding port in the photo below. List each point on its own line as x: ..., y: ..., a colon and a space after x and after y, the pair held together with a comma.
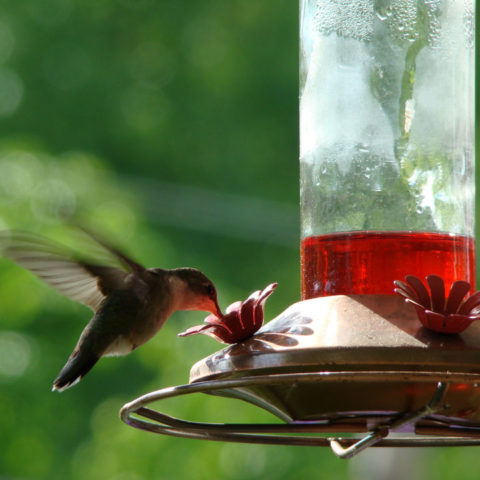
x: 241, y: 320
x: 445, y: 315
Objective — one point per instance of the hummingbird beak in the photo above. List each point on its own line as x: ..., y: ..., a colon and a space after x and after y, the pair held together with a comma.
x: 217, y: 311
x: 209, y: 304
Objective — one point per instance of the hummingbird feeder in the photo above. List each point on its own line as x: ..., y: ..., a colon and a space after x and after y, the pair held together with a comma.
x: 384, y: 344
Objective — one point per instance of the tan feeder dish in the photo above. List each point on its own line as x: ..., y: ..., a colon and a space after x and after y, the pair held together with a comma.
x: 384, y: 345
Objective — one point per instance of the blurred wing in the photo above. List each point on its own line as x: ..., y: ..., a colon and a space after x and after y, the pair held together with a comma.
x: 55, y: 265
x: 125, y: 261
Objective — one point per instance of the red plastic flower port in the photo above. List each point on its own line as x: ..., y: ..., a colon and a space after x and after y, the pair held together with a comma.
x: 241, y: 320
x: 445, y: 315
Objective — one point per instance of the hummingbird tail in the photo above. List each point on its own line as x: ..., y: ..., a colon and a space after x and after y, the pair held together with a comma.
x: 78, y: 365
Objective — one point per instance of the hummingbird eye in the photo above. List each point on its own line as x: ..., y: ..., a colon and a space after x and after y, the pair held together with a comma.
x: 210, y: 290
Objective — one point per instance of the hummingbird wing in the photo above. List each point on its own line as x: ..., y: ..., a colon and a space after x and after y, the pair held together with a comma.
x: 127, y: 262
x: 82, y: 281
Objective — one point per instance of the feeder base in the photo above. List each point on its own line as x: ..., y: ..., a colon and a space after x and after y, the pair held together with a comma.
x: 334, y: 365
x: 358, y: 333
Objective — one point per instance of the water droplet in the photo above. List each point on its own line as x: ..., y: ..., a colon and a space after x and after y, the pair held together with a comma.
x: 362, y: 147
x: 345, y: 18
x: 381, y: 15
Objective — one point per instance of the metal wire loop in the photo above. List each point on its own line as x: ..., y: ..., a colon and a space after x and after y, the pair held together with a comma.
x: 138, y: 415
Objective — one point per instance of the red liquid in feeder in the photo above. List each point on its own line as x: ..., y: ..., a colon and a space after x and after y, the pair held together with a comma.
x: 369, y: 262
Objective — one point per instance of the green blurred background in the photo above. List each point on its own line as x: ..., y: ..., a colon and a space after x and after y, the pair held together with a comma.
x: 171, y: 128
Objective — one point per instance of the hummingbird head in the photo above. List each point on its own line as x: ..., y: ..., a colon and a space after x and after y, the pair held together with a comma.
x: 195, y: 291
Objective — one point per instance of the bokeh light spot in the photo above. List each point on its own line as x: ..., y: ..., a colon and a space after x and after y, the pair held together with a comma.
x: 115, y: 217
x: 18, y: 301
x: 11, y: 92
x: 15, y: 354
x: 29, y: 455
x: 15, y: 180
x: 50, y: 13
x: 137, y: 4
x: 206, y: 43
x: 143, y: 110
x: 3, y: 224
x: 152, y: 65
x: 52, y: 200
x: 67, y: 66
x: 7, y: 41
x: 127, y: 476
x: 242, y: 462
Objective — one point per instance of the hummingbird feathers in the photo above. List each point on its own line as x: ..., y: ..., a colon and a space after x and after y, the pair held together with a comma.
x: 131, y: 302
x: 59, y: 268
x: 107, y: 333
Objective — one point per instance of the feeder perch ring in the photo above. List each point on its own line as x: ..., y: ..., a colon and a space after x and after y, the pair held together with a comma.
x: 429, y: 431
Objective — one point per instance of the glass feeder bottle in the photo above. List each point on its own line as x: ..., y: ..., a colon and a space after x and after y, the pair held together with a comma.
x: 386, y: 143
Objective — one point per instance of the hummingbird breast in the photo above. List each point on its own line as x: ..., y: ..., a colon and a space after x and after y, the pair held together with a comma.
x: 130, y: 317
x: 148, y: 322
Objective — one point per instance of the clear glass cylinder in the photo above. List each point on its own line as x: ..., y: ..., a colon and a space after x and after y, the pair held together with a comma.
x: 386, y: 143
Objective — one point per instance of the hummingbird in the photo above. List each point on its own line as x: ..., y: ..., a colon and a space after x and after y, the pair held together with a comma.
x: 130, y: 302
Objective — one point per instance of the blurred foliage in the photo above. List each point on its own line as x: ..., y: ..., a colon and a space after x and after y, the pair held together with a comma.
x: 95, y: 94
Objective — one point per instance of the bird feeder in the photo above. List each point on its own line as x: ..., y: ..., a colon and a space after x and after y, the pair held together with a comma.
x: 384, y: 343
